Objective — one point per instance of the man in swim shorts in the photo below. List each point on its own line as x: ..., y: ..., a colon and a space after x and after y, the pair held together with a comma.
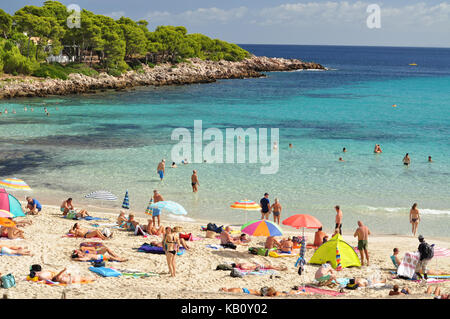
x: 265, y: 206
x: 338, y: 218
x: 33, y: 206
x: 156, y: 211
x: 325, y: 274
x: 161, y: 169
x: 362, y: 232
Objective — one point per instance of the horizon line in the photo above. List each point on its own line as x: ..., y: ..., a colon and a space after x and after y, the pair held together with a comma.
x: 349, y: 45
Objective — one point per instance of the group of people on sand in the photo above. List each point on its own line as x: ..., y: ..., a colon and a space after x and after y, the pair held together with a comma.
x: 68, y: 210
x: 228, y: 241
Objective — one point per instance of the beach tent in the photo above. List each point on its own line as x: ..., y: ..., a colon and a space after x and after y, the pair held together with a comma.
x: 328, y: 252
x: 9, y: 205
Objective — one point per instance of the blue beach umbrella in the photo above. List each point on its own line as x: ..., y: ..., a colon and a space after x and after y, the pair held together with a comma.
x: 126, y: 201
x: 169, y: 207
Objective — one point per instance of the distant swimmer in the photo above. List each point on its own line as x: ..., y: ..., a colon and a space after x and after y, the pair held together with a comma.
x: 31, y: 109
x: 275, y: 146
x: 25, y: 108
x: 6, y: 111
x: 194, y: 180
x: 429, y: 159
x: 341, y: 160
x: 406, y: 160
x: 290, y: 145
x: 394, y: 105
x: 174, y: 165
x: 377, y: 149
x: 161, y: 169
x: 14, y: 111
x: 45, y: 110
x: 185, y: 161
x: 344, y: 150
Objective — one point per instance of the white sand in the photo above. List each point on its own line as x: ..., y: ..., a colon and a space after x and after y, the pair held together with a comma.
x: 196, y: 274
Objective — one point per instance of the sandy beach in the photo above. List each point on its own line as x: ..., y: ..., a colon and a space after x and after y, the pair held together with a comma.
x: 196, y: 275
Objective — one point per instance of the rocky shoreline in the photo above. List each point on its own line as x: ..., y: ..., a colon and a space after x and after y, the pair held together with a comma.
x: 193, y: 71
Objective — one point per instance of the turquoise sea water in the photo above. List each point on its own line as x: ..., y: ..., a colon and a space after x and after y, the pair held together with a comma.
x: 114, y: 140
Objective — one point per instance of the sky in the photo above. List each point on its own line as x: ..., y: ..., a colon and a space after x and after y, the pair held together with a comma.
x: 418, y: 23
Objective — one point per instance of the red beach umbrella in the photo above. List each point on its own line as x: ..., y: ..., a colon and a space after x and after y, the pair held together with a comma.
x: 302, y: 221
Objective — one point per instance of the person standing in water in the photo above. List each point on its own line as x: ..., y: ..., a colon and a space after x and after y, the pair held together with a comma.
x: 276, y: 209
x: 161, y: 169
x: 265, y: 206
x: 429, y: 159
x: 414, y: 218
x: 194, y: 180
x: 406, y: 160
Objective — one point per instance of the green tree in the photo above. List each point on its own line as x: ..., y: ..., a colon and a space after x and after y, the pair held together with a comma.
x: 134, y: 36
x: 5, y: 24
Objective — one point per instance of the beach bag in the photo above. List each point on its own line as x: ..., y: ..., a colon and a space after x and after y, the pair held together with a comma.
x: 71, y: 215
x: 98, y: 263
x: 236, y: 273
x: 253, y: 250
x: 210, y: 234
x: 106, y: 232
x: 262, y: 252
x: 8, y: 281
x: 224, y: 267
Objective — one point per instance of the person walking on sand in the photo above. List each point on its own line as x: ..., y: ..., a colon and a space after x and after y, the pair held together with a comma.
x: 426, y: 254
x: 338, y: 218
x: 161, y: 168
x: 265, y: 206
x: 156, y: 212
x: 362, y: 232
x: 406, y: 160
x: 276, y: 210
x: 194, y: 180
x: 414, y: 218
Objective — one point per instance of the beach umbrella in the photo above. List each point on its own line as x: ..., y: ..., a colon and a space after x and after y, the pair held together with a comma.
x: 7, y: 222
x: 126, y: 203
x: 169, y: 207
x: 245, y: 205
x: 15, y: 183
x: 102, y: 195
x: 9, y: 205
x: 302, y: 221
x: 261, y: 228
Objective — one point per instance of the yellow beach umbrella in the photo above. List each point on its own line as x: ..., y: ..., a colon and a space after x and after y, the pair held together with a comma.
x: 15, y: 183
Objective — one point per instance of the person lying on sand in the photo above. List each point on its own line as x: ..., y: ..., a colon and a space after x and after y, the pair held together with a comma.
x: 98, y: 255
x: 437, y: 293
x: 244, y: 239
x: 263, y: 292
x: 78, y: 231
x: 395, y: 291
x: 11, y: 232
x: 248, y: 266
x: 152, y: 230
x: 63, y: 277
x: 362, y: 282
x: 12, y: 250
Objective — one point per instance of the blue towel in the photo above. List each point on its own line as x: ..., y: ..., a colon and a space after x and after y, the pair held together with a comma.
x: 94, y: 218
x: 1, y: 254
x: 105, y: 272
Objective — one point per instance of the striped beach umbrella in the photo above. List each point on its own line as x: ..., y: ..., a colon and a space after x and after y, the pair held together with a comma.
x: 261, y: 228
x: 245, y: 205
x: 338, y: 259
x: 15, y: 183
x: 9, y: 205
x: 102, y: 195
x: 169, y: 207
x: 126, y: 202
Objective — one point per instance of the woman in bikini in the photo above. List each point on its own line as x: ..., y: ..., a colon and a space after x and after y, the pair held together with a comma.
x: 63, y: 277
x: 98, y: 254
x: 12, y: 250
x: 414, y: 218
x: 11, y: 232
x: 171, y: 243
x: 78, y: 231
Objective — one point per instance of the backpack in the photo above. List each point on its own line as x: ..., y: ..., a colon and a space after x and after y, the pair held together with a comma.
x: 224, y: 267
x: 8, y: 281
x: 236, y: 273
x: 428, y: 251
x: 211, y: 227
x: 253, y: 250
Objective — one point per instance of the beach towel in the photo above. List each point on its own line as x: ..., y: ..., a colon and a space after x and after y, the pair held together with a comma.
x: 215, y: 247
x: 105, y: 272
x: 147, y: 248
x: 110, y: 225
x: 276, y: 254
x: 73, y: 236
x: 54, y: 283
x: 258, y: 272
x: 136, y: 273
x: 2, y: 254
x: 441, y: 252
x: 93, y: 218
x: 408, y: 266
x: 320, y: 291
